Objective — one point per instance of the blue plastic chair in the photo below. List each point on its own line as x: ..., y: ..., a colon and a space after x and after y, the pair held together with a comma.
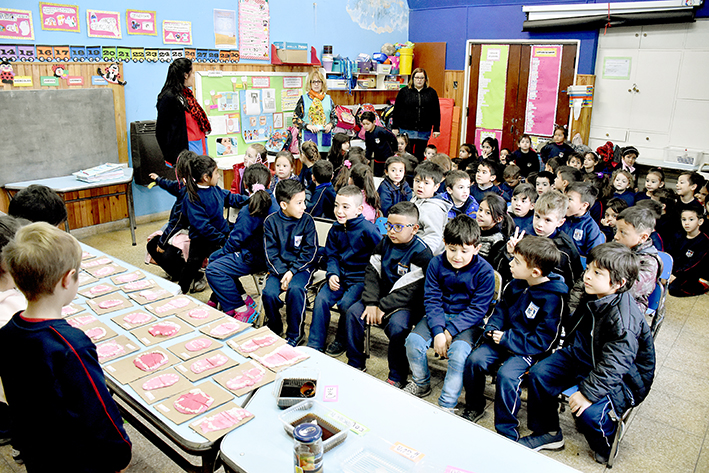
x: 380, y: 225
x: 658, y: 298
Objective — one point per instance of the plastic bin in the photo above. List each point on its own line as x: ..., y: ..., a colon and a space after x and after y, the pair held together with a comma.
x: 406, y: 60
x: 334, y: 432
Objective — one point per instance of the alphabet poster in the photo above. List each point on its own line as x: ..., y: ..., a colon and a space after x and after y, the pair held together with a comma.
x: 255, y: 125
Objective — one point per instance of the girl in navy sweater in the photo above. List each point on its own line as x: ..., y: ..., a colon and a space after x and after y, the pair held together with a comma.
x: 622, y: 186
x: 558, y: 145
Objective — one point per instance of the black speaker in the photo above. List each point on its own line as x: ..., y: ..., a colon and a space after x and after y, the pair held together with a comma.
x: 147, y: 157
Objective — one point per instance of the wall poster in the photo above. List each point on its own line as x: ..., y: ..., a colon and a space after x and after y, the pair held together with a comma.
x: 254, y: 22
x: 542, y: 91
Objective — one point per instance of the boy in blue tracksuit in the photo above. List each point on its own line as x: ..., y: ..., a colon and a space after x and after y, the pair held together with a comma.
x: 522, y: 329
x: 291, y: 244
x: 393, y: 292
x: 457, y: 184
x: 522, y: 207
x: 458, y: 290
x: 579, y: 224
x: 322, y: 202
x: 350, y: 243
x: 394, y: 188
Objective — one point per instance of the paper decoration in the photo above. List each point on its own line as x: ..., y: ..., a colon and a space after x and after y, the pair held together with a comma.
x: 7, y: 74
x: 293, y: 82
x: 57, y: 17
x: 16, y: 24
x: 289, y: 99
x: 22, y: 81
x: 112, y: 74
x: 268, y: 100
x: 49, y: 81
x: 491, y: 86
x: 141, y: 22
x: 254, y: 29
x: 260, y: 82
x: 104, y: 24
x: 542, y: 91
x: 277, y: 141
x: 75, y: 80
x: 176, y: 32
x: 227, y: 101
x: 224, y: 27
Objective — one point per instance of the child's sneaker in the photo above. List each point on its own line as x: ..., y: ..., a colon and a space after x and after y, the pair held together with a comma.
x: 248, y: 300
x: 543, y: 441
x: 416, y: 390
x: 296, y: 342
x: 335, y: 349
x: 245, y: 316
x: 396, y: 384
x: 472, y: 415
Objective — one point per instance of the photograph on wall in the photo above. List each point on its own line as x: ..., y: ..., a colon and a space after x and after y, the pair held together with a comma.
x: 176, y: 32
x: 141, y: 22
x: 57, y: 17
x: 103, y: 24
x: 16, y: 24
x: 224, y: 28
x: 226, y: 146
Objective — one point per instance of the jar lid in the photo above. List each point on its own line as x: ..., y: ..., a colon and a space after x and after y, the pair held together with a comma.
x: 307, y: 433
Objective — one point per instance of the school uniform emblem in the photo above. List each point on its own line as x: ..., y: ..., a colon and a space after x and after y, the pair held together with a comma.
x: 578, y: 234
x: 376, y: 140
x: 401, y: 269
x: 531, y: 311
x: 690, y: 253
x: 297, y: 240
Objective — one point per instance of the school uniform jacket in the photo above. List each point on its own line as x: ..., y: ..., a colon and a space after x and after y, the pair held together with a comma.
x: 690, y: 257
x: 394, y: 277
x: 470, y: 207
x: 177, y: 220
x: 585, y: 233
x: 551, y: 150
x: 322, y: 202
x: 529, y: 316
x: 527, y: 162
x: 507, y: 191
x: 291, y: 244
x: 525, y: 223
x: 391, y: 195
x: 433, y: 216
x: 479, y: 194
x: 349, y: 247
x: 465, y: 293
x: 206, y: 215
x: 380, y: 144
x: 627, y: 195
x: 570, y: 267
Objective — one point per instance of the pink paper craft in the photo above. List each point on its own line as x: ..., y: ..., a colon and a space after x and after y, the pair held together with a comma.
x: 247, y: 378
x: 176, y: 304
x: 281, y: 356
x: 224, y: 329
x: 105, y: 271
x: 107, y: 304
x: 99, y: 289
x: 160, y: 381
x: 198, y: 313
x: 80, y: 320
x: 137, y: 285
x: 210, y: 363
x: 96, y: 262
x: 164, y: 329
x: 109, y: 350
x: 136, y: 318
x: 258, y: 342
x: 68, y: 310
x: 150, y: 361
x: 96, y: 333
x: 152, y: 295
x: 127, y: 278
x: 224, y: 420
x: 198, y: 344
x: 193, y: 402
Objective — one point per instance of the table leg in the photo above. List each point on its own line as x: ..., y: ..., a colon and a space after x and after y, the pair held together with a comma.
x: 131, y: 211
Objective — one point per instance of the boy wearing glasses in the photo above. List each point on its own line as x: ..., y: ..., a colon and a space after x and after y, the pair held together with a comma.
x: 393, y: 287
x: 433, y: 209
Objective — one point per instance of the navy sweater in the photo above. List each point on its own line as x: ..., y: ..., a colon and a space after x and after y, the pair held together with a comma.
x: 206, y: 215
x: 525, y: 223
x: 527, y: 162
x: 627, y: 195
x: 690, y: 257
x: 59, y: 399
x: 465, y: 293
x: 391, y: 195
x: 322, y: 202
x: 381, y: 144
x: 349, y: 247
x: 291, y: 243
x: 584, y: 232
x: 479, y: 194
x: 551, y: 150
x: 177, y: 220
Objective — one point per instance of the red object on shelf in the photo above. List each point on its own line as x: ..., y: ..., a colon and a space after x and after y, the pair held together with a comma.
x: 314, y: 61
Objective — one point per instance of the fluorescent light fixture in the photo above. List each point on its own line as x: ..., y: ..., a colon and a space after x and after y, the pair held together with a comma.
x: 566, y: 10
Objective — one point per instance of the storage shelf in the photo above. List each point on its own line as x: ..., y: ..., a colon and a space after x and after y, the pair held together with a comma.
x: 314, y: 61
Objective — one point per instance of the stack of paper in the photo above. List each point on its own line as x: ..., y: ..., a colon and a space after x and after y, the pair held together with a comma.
x: 103, y: 172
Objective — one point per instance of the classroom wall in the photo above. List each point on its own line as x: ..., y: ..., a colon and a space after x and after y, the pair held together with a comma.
x: 350, y: 26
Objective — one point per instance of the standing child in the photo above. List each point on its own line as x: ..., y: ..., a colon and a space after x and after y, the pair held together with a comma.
x: 432, y: 209
x: 322, y: 202
x: 654, y: 180
x: 350, y: 243
x: 557, y: 146
x: 689, y: 274
x: 361, y: 176
x: 255, y: 153
x: 291, y: 244
x: 522, y: 206
x: 338, y: 151
x: 458, y: 192
x: 284, y: 168
x: 608, y: 224
x: 485, y: 180
x: 579, y: 224
x: 379, y: 142
x: 394, y: 188
x: 525, y: 157
x: 56, y: 386
x: 457, y: 293
x: 490, y: 149
x: 621, y: 186
x: 543, y: 182
x: 495, y: 227
x: 309, y: 155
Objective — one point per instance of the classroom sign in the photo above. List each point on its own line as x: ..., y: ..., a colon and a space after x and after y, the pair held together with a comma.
x: 492, y: 81
x: 57, y: 17
x: 176, y: 32
x: 16, y: 24
x: 141, y: 22
x: 542, y: 90
x: 104, y: 24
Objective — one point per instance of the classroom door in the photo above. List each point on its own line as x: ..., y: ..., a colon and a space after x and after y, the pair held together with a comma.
x: 516, y: 88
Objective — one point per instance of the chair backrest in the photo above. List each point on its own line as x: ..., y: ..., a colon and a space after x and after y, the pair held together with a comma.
x: 499, y: 286
x: 378, y: 181
x: 653, y: 301
x: 667, y: 263
x: 380, y: 225
x: 322, y: 226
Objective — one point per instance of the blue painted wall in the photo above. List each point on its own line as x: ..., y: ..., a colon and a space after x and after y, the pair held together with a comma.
x: 334, y: 22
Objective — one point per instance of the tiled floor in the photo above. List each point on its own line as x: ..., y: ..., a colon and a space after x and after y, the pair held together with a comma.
x: 667, y: 433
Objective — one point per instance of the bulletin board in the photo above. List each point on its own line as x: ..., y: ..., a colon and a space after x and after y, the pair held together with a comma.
x: 248, y: 107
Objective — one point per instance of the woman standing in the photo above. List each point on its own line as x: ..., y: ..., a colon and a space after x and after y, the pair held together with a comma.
x: 416, y: 112
x: 182, y: 123
x: 315, y: 114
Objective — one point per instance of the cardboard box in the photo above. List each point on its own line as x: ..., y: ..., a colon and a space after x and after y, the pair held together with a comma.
x: 383, y: 68
x: 336, y: 84
x: 292, y: 52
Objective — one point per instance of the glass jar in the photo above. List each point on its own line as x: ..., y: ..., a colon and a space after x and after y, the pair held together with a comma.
x: 308, y: 450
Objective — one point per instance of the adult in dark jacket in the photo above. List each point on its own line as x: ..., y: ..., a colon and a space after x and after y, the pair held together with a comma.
x: 182, y: 123
x: 417, y: 111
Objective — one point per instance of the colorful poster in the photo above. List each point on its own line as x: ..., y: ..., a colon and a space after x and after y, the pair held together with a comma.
x: 289, y: 99
x: 542, y: 90
x: 255, y: 125
x: 104, y: 24
x: 254, y: 29
x: 176, y: 32
x: 224, y: 28
x: 482, y: 133
x: 57, y: 17
x: 16, y: 24
x: 492, y: 81
x: 227, y: 101
x: 141, y: 22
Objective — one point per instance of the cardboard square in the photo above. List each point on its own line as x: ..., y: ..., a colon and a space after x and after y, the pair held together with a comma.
x: 95, y: 304
x: 124, y: 371
x: 85, y: 279
x: 128, y: 345
x: 105, y: 271
x: 146, y: 338
x: 217, y: 393
x: 82, y: 320
x: 196, y: 316
x: 185, y: 368
x: 171, y: 306
x: 150, y: 296
x: 213, y: 436
x: 237, y: 327
x: 91, y: 328
x: 87, y: 256
x: 141, y: 285
x: 180, y: 349
x: 155, y: 395
x: 96, y: 262
x: 261, y: 333
x: 268, y: 377
x: 98, y: 290
x: 72, y: 309
x: 119, y: 319
x: 280, y: 364
x: 128, y: 277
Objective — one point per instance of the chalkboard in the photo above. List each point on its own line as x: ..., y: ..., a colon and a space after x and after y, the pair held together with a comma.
x: 51, y: 133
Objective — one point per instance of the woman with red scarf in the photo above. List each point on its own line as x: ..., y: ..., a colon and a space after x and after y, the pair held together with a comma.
x: 315, y: 114
x: 182, y: 123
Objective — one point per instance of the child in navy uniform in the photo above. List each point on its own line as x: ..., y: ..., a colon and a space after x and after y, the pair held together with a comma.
x: 609, y: 354
x: 379, y: 142
x: 433, y: 209
x: 322, y: 202
x: 613, y: 208
x: 458, y: 192
x: 485, y: 180
x: 394, y: 188
x: 522, y: 329
x: 55, y: 384
x: 525, y: 157
x: 523, y: 199
x: 457, y: 293
x: 350, y: 243
x: 579, y: 224
x: 393, y: 292
x: 291, y: 244
x: 558, y: 145
x: 512, y: 177
x: 688, y: 184
x: 690, y: 276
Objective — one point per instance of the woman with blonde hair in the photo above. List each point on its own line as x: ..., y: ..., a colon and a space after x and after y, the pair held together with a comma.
x: 315, y: 113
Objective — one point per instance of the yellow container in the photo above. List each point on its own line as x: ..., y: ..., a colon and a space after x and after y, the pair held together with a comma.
x: 406, y: 60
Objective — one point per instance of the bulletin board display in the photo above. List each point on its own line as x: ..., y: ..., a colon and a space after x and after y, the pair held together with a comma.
x: 248, y: 107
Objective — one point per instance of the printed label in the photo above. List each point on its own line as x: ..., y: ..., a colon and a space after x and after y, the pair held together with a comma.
x: 531, y: 311
x: 407, y: 452
x: 578, y: 234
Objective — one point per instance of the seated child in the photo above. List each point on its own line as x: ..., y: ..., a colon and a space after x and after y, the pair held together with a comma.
x: 291, y: 244
x: 689, y: 272
x: 309, y: 155
x: 654, y: 179
x: 322, y: 202
x: 57, y: 391
x: 525, y: 157
x: 521, y: 330
x: 495, y: 228
x: 445, y: 163
x: 597, y: 181
x: 284, y: 164
x: 621, y: 185
x: 393, y: 291
x: 668, y: 225
x: 338, y: 150
x: 485, y: 180
x: 458, y: 191
x: 565, y: 175
x: 688, y: 183
x: 362, y: 177
x: 523, y: 199
x: 554, y: 164
x: 575, y: 160
x: 350, y: 243
x: 255, y: 153
x: 490, y: 149
x: 591, y: 162
x: 543, y: 182
x: 394, y: 188
x: 655, y: 209
x: 468, y: 155
x: 579, y: 224
x: 432, y: 209
x: 702, y: 193
x: 429, y: 152
x: 379, y: 142
x: 627, y: 163
x: 504, y: 153
x: 409, y: 160
x: 557, y: 146
x: 457, y: 293
x: 38, y: 203
x: 610, y: 356
x: 608, y: 224
x: 512, y: 177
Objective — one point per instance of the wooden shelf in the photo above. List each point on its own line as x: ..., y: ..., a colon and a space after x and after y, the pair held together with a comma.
x: 314, y: 61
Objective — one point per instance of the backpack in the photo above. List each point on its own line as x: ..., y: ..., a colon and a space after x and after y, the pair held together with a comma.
x: 291, y: 143
x: 388, y: 116
x: 345, y: 118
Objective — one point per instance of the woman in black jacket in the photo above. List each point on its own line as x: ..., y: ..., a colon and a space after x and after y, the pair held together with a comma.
x: 417, y: 112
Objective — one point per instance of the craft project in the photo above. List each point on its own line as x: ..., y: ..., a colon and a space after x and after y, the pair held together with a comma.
x: 97, y: 290
x: 137, y: 318
x: 80, y: 320
x: 210, y: 363
x: 205, y: 365
x: 95, y: 333
x: 191, y: 405
x: 281, y: 357
x: 109, y: 303
x: 161, y: 385
x: 138, y: 285
x: 150, y: 361
x: 131, y: 368
x: 126, y: 278
x: 150, y: 295
x: 161, y: 381
x: 96, y: 262
x: 86, y: 255
x: 115, y: 348
x: 71, y: 309
x: 195, y: 347
x: 164, y: 329
x: 198, y: 344
x: 86, y: 279
x: 245, y: 378
x: 201, y: 315
x: 248, y: 378
x: 171, y: 306
x: 160, y: 331
x: 104, y: 271
x: 224, y: 329
x: 193, y: 402
x: 225, y: 419
x: 259, y: 341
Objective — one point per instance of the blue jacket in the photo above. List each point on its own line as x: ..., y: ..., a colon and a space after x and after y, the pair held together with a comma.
x: 206, y: 215
x: 525, y: 223
x: 527, y: 162
x: 551, y: 150
x: 177, y: 220
x: 585, y: 233
x: 349, y: 247
x: 627, y: 195
x: 380, y: 144
x: 306, y: 178
x: 570, y: 267
x: 322, y: 202
x: 465, y: 293
x: 391, y: 195
x: 507, y: 191
x: 291, y: 244
x: 479, y: 195
x: 530, y: 316
x: 470, y: 207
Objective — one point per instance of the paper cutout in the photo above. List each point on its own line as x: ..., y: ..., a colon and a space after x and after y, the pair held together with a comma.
x: 103, y: 24
x: 141, y: 22
x: 112, y: 74
x: 59, y: 17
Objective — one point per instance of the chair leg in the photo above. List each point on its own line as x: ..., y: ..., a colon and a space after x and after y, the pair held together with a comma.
x: 259, y: 281
x: 366, y: 340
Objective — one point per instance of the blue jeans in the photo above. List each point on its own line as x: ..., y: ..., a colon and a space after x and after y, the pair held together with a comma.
x: 418, y: 343
x: 223, y: 276
x: 345, y: 297
x: 295, y: 303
